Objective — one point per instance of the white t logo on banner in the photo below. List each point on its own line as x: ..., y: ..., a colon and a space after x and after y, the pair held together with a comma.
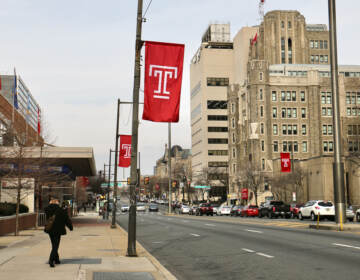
x: 169, y: 73
x: 127, y: 148
x: 286, y: 162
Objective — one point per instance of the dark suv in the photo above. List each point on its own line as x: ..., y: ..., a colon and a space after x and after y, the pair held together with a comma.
x: 204, y: 209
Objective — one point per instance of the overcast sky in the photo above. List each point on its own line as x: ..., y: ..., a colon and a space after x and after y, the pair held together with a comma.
x: 77, y: 58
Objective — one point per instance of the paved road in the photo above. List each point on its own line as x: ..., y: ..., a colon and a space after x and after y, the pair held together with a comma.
x: 233, y: 248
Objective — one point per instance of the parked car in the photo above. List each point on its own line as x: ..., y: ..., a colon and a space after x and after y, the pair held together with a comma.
x: 224, y: 210
x: 204, y: 209
x: 124, y: 208
x: 184, y: 209
x: 236, y: 210
x: 140, y: 207
x: 274, y: 209
x: 314, y: 208
x: 153, y: 207
x: 294, y: 208
x: 192, y: 210
x: 357, y: 213
x: 215, y: 208
x: 350, y: 215
x: 250, y: 211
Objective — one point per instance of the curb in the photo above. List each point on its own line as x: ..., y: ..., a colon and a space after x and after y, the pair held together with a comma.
x: 333, y: 227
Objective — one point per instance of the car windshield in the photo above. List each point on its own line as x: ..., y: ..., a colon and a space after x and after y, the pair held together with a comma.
x: 140, y: 204
x: 325, y: 203
x: 253, y: 206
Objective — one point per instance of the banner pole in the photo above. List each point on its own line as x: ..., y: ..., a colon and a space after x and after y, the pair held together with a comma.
x: 169, y: 165
x: 113, y: 220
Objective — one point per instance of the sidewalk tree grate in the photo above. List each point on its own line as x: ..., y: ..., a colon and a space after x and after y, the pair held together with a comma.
x: 81, y: 261
x: 122, y: 276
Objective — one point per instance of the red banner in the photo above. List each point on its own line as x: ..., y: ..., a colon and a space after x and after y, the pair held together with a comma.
x: 125, y: 151
x: 285, y: 162
x: 163, y: 76
x: 244, y: 194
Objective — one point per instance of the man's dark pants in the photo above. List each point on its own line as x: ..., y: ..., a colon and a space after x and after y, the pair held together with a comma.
x: 55, y: 242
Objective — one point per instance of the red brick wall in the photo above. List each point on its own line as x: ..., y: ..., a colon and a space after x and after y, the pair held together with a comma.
x: 26, y: 221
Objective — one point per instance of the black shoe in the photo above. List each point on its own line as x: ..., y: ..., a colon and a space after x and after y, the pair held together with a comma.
x: 51, y: 264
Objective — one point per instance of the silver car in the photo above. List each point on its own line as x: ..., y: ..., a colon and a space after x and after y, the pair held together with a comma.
x: 140, y: 207
x: 350, y: 214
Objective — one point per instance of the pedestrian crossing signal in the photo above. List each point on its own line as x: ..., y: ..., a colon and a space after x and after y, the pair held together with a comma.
x: 174, y: 184
x: 128, y: 181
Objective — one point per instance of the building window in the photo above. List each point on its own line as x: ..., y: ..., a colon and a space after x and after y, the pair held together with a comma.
x: 295, y: 129
x: 274, y: 109
x: 276, y: 146
x: 294, y: 113
x: 217, y: 82
x: 289, y: 112
x: 289, y: 131
x: 312, y: 60
x: 293, y: 96
x: 284, y: 129
x: 296, y: 147
x: 326, y: 59
x: 234, y: 152
x: 261, y: 94
x: 304, y: 147
x: 234, y: 168
x: 262, y: 128
x: 283, y: 113
x: 273, y: 96
x: 329, y: 111
x: 324, y: 129
x: 263, y: 164
x: 216, y: 104
x: 260, y: 76
x: 303, y: 113
x: 282, y: 24
x: 316, y: 44
x: 303, y: 129
x: 275, y: 129
x: 323, y: 98
x: 217, y: 129
x: 217, y: 152
x: 217, y: 118
x: 261, y: 111
x: 233, y: 122
x: 233, y: 138
x: 325, y: 44
x: 328, y: 98
x: 348, y: 111
x: 282, y: 51
x: 218, y: 164
x: 262, y: 145
x: 284, y: 146
x: 217, y: 140
x: 311, y: 44
x: 302, y: 96
x: 232, y: 108
x: 331, y: 147
x: 283, y: 96
x: 330, y: 129
x: 328, y: 146
x: 288, y: 96
x: 321, y: 44
x: 289, y: 49
x: 289, y: 24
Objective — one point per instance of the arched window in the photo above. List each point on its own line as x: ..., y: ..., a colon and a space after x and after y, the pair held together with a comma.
x: 282, y: 50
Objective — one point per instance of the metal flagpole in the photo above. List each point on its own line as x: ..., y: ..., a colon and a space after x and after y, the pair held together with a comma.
x: 131, y: 251
x: 108, y: 189
x: 338, y: 165
x: 169, y: 165
x: 113, y: 220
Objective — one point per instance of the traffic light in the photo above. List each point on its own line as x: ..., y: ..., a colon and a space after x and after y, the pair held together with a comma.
x: 174, y: 184
x: 129, y: 181
x: 146, y: 180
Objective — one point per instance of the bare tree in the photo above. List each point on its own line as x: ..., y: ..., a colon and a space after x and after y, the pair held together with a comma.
x: 251, y: 177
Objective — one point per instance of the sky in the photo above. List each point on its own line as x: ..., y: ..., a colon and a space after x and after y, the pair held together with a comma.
x: 77, y: 59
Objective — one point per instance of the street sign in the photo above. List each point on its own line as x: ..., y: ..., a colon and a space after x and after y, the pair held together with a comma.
x: 119, y: 184
x: 202, y: 187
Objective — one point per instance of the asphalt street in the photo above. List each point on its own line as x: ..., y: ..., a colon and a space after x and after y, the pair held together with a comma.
x: 223, y: 248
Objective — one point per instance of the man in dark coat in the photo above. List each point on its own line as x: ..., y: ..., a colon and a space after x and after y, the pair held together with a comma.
x: 58, y: 228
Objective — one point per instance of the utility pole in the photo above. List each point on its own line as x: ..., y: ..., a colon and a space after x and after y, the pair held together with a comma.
x: 108, y: 188
x: 131, y: 251
x: 113, y: 220
x: 169, y: 165
x: 338, y: 165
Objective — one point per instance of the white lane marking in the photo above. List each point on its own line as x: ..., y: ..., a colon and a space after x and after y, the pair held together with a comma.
x: 248, y: 250
x: 194, y: 234
x: 264, y: 255
x: 210, y: 225
x: 347, y: 246
x: 251, y: 230
x: 157, y: 242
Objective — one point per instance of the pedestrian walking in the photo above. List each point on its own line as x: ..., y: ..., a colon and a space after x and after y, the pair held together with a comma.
x: 57, y: 218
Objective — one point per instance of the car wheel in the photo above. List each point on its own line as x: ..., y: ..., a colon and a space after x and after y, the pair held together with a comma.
x: 270, y: 215
x: 313, y: 217
x: 301, y: 216
x: 260, y: 216
x: 292, y: 215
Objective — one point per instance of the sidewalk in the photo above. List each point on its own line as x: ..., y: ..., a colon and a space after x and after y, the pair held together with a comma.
x: 92, y: 251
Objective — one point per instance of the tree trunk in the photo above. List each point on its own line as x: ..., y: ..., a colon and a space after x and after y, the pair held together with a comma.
x: 17, y: 207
